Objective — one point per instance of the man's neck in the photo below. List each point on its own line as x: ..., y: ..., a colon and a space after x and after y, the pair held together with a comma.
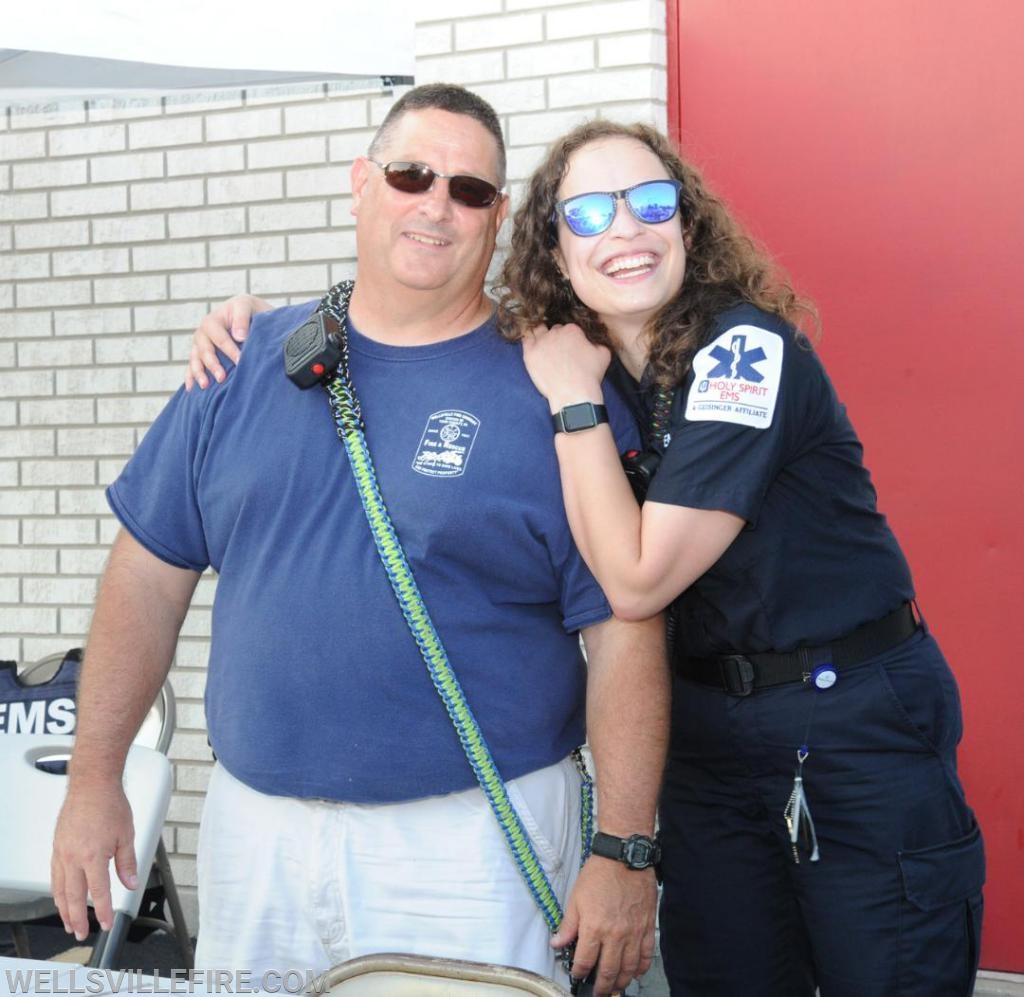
x: 416, y: 318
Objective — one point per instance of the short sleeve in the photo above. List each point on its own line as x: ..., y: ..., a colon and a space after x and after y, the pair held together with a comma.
x: 733, y: 424
x: 155, y: 496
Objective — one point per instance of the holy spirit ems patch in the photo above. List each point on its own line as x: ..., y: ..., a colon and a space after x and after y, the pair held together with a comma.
x: 446, y: 443
x: 736, y: 378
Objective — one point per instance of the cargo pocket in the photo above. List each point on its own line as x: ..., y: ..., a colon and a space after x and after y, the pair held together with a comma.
x: 940, y: 919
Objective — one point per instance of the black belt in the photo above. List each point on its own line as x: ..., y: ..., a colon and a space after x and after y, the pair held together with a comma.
x: 740, y: 674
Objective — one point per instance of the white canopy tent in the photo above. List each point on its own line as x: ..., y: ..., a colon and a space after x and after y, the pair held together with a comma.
x: 76, y: 49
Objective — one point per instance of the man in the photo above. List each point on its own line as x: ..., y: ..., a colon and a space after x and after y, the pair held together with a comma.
x: 342, y: 817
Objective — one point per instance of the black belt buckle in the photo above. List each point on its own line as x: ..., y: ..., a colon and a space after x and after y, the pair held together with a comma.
x: 737, y: 674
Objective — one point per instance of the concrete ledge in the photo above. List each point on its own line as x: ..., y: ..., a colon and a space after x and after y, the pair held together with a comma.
x: 991, y: 984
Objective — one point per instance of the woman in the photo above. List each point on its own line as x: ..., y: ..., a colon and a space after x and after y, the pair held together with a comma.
x: 804, y: 683
x: 814, y: 830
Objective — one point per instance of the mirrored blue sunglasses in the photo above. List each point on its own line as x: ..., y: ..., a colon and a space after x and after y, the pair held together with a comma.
x: 651, y: 202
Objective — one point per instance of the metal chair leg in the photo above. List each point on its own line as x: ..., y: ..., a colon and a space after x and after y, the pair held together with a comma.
x: 21, y: 946
x: 174, y: 903
x: 107, y: 948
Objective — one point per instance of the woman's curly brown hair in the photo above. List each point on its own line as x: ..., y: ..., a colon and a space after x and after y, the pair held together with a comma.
x: 723, y: 265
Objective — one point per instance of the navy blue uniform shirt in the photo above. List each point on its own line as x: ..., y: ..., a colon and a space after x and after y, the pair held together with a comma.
x: 757, y: 430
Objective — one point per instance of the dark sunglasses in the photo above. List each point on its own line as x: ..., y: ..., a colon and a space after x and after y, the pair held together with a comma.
x: 651, y: 202
x: 418, y: 178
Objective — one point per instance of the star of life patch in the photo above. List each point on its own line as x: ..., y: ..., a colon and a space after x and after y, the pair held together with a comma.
x: 736, y: 378
x: 446, y: 444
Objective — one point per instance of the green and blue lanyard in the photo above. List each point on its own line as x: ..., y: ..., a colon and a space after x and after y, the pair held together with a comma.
x: 350, y: 427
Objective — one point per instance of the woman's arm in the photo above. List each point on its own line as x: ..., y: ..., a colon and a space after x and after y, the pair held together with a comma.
x: 222, y: 329
x: 643, y: 557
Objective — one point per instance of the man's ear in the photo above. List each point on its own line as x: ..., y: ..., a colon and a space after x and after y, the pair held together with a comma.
x: 360, y: 173
x: 502, y: 212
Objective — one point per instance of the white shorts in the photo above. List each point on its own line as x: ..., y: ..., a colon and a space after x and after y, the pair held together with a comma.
x: 298, y: 884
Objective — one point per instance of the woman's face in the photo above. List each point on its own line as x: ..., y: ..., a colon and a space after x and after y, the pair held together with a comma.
x: 627, y: 273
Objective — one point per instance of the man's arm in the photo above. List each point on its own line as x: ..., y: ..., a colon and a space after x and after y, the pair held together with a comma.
x: 141, y: 604
x: 611, y: 910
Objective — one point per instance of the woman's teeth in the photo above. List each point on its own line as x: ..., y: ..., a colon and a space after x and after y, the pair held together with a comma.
x: 630, y: 266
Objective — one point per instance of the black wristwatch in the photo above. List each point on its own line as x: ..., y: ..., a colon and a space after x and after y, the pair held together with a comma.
x: 635, y: 852
x: 582, y: 415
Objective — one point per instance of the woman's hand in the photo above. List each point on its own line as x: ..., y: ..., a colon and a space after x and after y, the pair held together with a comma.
x: 223, y: 329
x: 564, y: 365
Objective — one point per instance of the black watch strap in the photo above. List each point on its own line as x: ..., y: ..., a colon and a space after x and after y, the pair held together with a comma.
x: 582, y: 415
x: 636, y: 852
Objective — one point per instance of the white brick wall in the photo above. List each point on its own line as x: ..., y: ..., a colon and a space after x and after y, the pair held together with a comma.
x: 121, y: 223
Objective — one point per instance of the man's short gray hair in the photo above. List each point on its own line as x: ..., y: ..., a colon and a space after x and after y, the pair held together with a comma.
x: 443, y: 97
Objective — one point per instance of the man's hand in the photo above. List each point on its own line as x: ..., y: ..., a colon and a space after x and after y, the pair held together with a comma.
x: 611, y: 909
x: 95, y: 825
x: 223, y: 329
x: 610, y: 914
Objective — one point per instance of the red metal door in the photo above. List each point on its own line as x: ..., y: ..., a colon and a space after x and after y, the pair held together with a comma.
x: 877, y: 149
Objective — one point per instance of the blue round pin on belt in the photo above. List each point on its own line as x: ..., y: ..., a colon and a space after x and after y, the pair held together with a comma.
x: 824, y: 676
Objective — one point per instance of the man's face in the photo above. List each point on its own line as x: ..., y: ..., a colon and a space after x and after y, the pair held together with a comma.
x: 428, y: 241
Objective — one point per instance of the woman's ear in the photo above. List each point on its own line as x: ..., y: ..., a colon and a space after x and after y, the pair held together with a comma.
x: 556, y: 255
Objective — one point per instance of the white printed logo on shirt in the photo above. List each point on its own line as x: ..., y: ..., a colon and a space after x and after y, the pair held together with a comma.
x: 446, y: 444
x: 736, y: 378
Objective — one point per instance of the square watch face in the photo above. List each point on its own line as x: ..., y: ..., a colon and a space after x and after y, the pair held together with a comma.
x: 579, y: 416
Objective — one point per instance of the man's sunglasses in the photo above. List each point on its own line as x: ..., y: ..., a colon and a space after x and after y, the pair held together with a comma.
x: 651, y: 202
x: 418, y: 178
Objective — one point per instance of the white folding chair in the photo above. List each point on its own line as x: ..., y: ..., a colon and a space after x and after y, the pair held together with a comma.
x: 33, y: 780
x: 156, y: 732
x: 392, y: 974
x: 157, y: 726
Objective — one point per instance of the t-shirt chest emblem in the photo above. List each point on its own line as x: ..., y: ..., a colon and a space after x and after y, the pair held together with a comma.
x: 736, y: 378
x: 446, y: 444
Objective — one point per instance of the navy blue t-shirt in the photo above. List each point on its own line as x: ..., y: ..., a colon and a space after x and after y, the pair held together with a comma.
x: 757, y: 430
x: 316, y: 687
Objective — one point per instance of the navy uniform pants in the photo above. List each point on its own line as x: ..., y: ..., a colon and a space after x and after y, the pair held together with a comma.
x: 893, y: 906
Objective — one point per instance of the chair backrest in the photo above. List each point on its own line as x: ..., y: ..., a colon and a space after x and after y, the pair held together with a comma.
x: 398, y: 975
x: 33, y: 780
x: 39, y: 700
x: 158, y: 725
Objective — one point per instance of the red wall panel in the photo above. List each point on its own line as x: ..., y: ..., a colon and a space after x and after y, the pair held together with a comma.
x: 877, y: 149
